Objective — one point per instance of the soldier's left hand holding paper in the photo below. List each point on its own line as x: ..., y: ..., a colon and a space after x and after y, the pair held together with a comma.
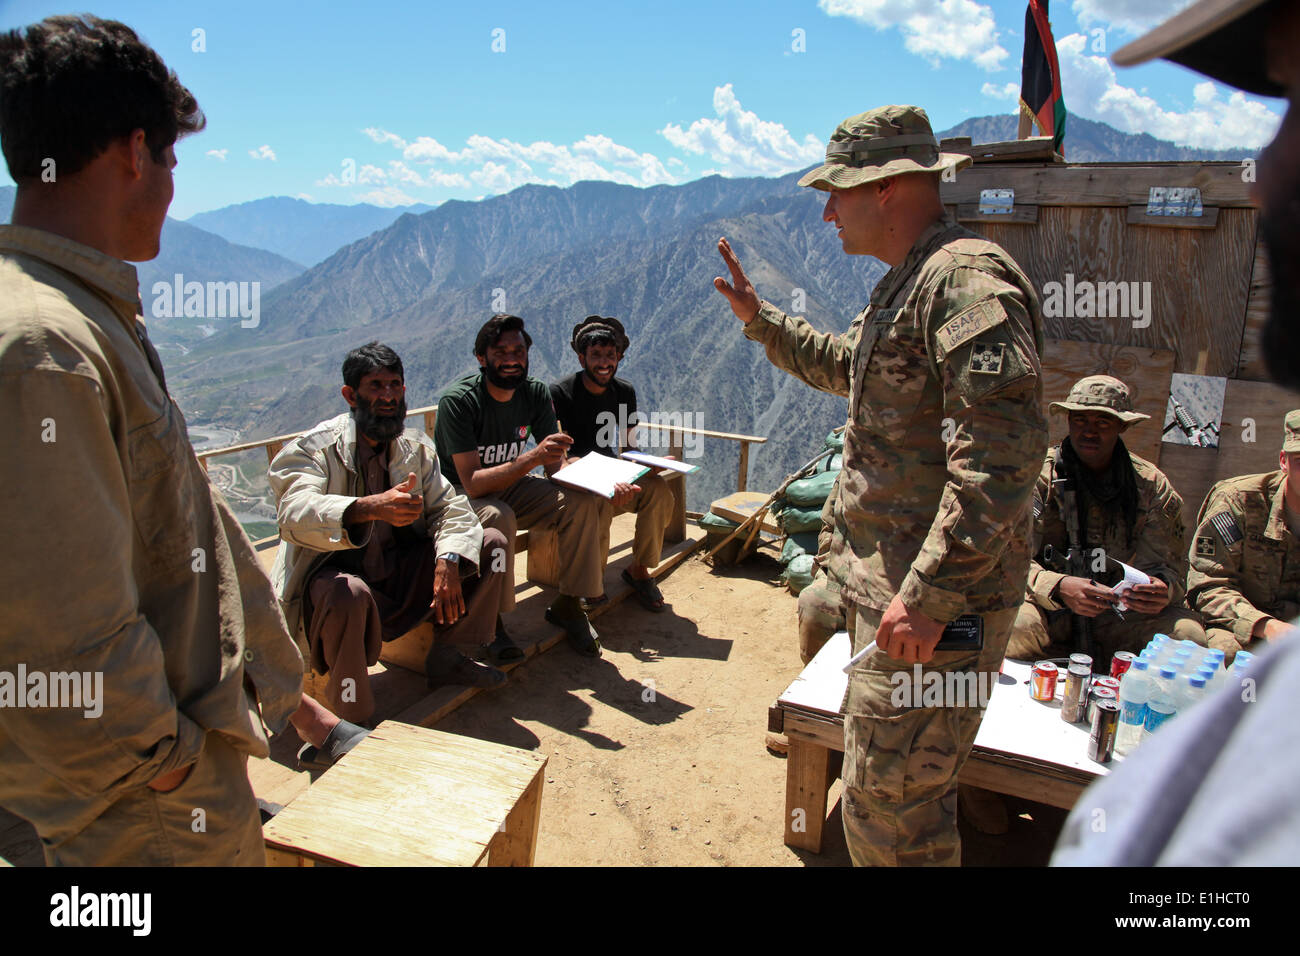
x: 907, y: 635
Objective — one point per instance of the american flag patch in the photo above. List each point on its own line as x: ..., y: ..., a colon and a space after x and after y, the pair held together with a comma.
x: 1226, y: 525
x: 1038, y: 507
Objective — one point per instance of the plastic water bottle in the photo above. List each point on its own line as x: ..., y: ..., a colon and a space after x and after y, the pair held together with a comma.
x: 1161, y: 705
x: 1134, y: 689
x: 1191, y: 689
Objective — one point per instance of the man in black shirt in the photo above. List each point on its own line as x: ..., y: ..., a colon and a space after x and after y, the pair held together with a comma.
x: 599, y: 411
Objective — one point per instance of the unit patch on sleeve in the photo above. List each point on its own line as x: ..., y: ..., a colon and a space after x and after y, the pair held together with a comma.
x: 986, y: 358
x: 978, y: 318
x: 1226, y: 525
x: 1204, y: 546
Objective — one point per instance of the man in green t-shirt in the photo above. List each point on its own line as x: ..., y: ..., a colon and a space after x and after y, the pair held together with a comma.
x: 484, y: 423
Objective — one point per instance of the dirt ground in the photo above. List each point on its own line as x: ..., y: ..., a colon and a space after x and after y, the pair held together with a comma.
x: 656, y: 751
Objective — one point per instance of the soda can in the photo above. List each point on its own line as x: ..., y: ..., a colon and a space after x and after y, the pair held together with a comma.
x: 1120, y: 663
x: 1082, y: 659
x: 1075, y: 698
x: 1096, y: 694
x: 1042, y: 683
x: 1110, y: 682
x: 1105, y: 724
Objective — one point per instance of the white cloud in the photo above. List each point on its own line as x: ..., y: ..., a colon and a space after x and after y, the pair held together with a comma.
x: 1131, y: 16
x: 743, y: 144
x: 1092, y: 90
x: 932, y: 29
x: 306, y: 196
x: 1007, y: 91
x: 383, y: 136
x: 263, y: 152
x: 331, y: 180
x: 217, y: 154
x: 502, y: 164
x: 387, y: 196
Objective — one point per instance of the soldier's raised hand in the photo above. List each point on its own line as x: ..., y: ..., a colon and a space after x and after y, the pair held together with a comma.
x: 739, y: 292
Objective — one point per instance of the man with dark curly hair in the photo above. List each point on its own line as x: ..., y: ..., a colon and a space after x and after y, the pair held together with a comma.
x: 130, y: 588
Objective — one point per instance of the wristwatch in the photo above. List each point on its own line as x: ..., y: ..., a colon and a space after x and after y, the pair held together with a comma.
x: 450, y: 556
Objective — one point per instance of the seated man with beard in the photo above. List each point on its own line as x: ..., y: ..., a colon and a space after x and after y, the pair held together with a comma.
x: 376, y: 541
x: 485, y: 421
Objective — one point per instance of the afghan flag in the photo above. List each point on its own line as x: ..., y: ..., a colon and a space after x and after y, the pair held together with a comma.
x: 1040, y: 75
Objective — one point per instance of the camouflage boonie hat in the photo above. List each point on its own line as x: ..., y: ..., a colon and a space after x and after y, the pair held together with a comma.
x: 594, y: 323
x: 880, y: 143
x: 1101, y: 393
x: 1291, y: 432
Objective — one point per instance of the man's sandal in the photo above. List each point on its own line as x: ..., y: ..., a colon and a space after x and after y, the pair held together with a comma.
x: 341, y: 739
x: 646, y: 591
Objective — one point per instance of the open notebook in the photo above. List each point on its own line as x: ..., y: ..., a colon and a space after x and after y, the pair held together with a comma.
x: 599, y: 473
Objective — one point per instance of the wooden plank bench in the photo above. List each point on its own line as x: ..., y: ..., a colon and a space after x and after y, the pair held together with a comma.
x: 411, y: 796
x: 1023, y: 747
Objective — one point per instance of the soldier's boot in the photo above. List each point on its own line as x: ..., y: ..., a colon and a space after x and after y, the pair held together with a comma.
x: 778, y: 745
x: 983, y: 809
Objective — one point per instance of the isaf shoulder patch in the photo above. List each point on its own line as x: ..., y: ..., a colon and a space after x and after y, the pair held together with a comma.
x: 1204, y: 546
x: 980, y: 317
x: 1226, y: 525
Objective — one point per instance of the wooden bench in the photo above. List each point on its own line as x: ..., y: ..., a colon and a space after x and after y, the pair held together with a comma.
x: 1023, y: 747
x: 411, y: 796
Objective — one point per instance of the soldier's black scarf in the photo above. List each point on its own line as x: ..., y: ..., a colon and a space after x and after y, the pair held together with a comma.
x: 1115, y: 489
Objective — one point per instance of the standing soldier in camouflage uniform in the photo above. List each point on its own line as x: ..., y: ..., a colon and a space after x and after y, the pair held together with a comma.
x: 944, y: 440
x: 1129, y: 512
x: 1245, y: 561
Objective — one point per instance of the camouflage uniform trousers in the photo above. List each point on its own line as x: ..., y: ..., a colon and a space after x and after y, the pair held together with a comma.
x: 901, y: 762
x: 820, y: 614
x: 1040, y: 634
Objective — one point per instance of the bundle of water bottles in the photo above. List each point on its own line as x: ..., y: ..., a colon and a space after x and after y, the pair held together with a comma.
x: 1166, y: 678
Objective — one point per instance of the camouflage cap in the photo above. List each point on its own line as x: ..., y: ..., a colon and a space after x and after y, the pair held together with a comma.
x: 1101, y: 393
x: 880, y: 143
x: 1291, y: 431
x: 593, y: 323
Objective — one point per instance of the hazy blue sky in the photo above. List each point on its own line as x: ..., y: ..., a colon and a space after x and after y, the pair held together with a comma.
x: 394, y: 103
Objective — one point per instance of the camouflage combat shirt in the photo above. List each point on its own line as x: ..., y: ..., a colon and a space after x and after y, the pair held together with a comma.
x: 1245, y: 562
x: 946, y: 433
x: 1156, y: 547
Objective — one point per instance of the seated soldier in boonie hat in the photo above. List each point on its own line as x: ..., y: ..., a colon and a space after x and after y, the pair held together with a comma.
x: 1127, y: 512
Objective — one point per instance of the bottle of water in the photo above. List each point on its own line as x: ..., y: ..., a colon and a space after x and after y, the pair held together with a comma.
x: 1161, y: 705
x: 1134, y: 689
x: 1191, y: 689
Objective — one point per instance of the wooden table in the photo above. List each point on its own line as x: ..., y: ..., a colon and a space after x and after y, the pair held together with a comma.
x: 412, y: 796
x: 1023, y: 748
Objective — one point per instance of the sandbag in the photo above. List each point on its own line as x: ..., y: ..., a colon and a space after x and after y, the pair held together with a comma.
x: 798, y: 574
x: 810, y: 491
x: 711, y: 522
x: 834, y: 441
x: 792, y: 519
x: 796, y: 544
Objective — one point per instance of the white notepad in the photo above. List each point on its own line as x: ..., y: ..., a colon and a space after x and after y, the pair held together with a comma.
x: 654, y: 461
x: 599, y: 473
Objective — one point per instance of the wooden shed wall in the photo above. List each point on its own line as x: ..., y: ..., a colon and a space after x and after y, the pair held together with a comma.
x: 1209, y: 297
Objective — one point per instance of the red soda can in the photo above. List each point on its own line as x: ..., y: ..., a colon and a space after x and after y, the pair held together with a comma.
x: 1042, y: 684
x: 1110, y: 682
x: 1120, y: 663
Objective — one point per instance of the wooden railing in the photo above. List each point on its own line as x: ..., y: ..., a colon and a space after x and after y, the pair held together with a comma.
x: 430, y: 413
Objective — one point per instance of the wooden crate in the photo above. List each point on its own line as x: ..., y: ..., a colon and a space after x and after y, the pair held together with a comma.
x: 411, y: 796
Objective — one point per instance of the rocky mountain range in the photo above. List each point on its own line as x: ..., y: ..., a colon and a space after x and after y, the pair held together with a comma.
x: 1087, y: 141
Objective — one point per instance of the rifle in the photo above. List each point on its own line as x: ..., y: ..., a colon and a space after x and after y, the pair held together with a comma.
x: 1076, y: 560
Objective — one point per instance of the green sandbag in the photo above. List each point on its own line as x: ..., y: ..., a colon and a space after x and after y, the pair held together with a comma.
x: 792, y: 519
x: 796, y: 544
x: 798, y: 574
x: 835, y: 463
x: 834, y: 441
x: 711, y: 522
x: 807, y: 492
